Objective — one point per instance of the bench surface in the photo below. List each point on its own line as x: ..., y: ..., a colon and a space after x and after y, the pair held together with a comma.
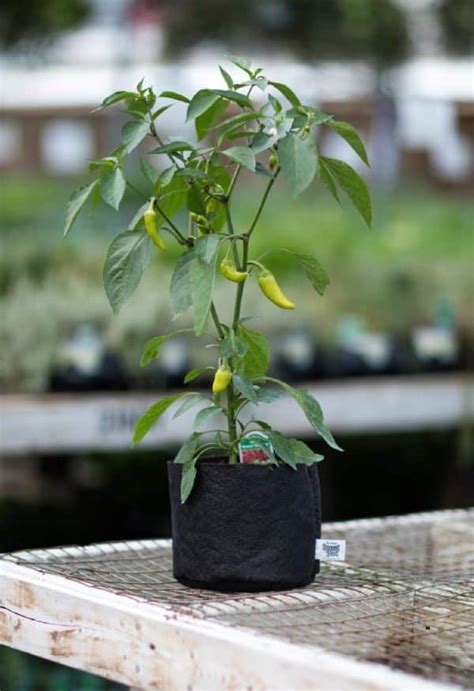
x: 397, y: 614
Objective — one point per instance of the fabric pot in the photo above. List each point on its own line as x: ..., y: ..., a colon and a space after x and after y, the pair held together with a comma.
x: 246, y: 527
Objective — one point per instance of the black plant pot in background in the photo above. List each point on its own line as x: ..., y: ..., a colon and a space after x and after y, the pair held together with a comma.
x: 246, y: 527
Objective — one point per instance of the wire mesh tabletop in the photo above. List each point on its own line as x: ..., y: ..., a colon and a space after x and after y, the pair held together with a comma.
x: 403, y: 598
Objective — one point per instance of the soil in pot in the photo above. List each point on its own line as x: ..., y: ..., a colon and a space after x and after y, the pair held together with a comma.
x: 246, y: 527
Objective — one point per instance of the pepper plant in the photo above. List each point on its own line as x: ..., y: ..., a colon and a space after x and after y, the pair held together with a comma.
x: 253, y: 124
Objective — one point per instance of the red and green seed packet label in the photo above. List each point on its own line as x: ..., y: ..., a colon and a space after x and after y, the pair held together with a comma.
x: 255, y: 446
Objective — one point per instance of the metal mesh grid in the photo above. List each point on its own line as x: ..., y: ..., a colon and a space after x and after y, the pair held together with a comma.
x: 404, y: 597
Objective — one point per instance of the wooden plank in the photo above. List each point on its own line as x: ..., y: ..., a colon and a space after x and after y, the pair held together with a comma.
x: 70, y: 423
x: 151, y: 647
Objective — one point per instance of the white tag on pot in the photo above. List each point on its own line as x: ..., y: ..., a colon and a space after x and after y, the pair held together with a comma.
x: 330, y: 550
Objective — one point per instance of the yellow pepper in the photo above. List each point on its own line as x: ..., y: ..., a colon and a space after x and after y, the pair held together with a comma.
x: 150, y: 225
x: 222, y: 379
x: 272, y: 290
x: 230, y: 271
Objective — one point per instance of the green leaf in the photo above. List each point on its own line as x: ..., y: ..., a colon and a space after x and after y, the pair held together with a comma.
x: 231, y: 124
x: 173, y: 196
x: 203, y: 99
x: 206, y: 413
x: 287, y: 93
x: 116, y: 97
x: 181, y: 288
x: 151, y: 416
x: 314, y: 414
x: 243, y: 63
x: 243, y: 155
x: 352, y: 137
x: 188, y: 449
x: 191, y: 400
x: 75, y: 204
x: 269, y: 395
x: 353, y: 186
x: 315, y: 273
x: 196, y: 202
x: 126, y: 260
x: 245, y: 387
x: 152, y: 348
x: 327, y: 178
x: 318, y: 117
x: 160, y: 111
x: 256, y: 359
x: 133, y: 133
x: 175, y: 96
x: 227, y: 78
x: 263, y: 141
x: 149, y: 171
x: 206, y: 247
x: 195, y: 373
x: 166, y: 176
x: 311, y: 408
x: 202, y: 281
x: 206, y: 120
x: 188, y: 476
x: 200, y: 102
x: 138, y: 216
x: 297, y: 159
x: 231, y: 345
x: 173, y: 147
x: 112, y: 188
x: 292, y: 451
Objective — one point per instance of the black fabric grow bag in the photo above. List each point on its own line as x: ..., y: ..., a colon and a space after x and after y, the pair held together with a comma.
x: 246, y: 527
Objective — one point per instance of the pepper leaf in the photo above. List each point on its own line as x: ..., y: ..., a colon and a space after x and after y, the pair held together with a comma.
x: 255, y: 361
x: 112, y: 188
x: 128, y: 255
x: 133, y: 133
x: 292, y: 451
x: 206, y: 247
x: 243, y: 155
x: 204, y: 122
x: 245, y: 387
x: 298, y: 160
x: 75, y: 204
x: 152, y: 348
x: 181, y: 288
x: 206, y: 413
x: 353, y: 186
x: 315, y: 273
x: 151, y: 416
x: 287, y: 92
x: 352, y: 137
x: 202, y: 284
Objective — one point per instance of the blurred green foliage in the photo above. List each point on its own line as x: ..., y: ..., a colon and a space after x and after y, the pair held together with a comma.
x: 457, y: 18
x: 419, y: 250
x: 374, y: 29
x: 20, y: 672
x: 38, y: 19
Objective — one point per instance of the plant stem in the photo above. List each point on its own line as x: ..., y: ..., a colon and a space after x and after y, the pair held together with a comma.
x: 240, y: 287
x: 231, y: 422
x: 262, y: 203
x: 230, y: 229
x: 136, y: 190
x: 180, y: 236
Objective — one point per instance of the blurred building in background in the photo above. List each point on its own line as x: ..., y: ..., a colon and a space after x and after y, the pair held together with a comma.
x: 399, y: 69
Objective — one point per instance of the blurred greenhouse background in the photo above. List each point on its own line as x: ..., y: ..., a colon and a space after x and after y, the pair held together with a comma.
x: 399, y: 307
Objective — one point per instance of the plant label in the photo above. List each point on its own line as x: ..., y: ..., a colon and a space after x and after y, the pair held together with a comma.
x: 330, y: 550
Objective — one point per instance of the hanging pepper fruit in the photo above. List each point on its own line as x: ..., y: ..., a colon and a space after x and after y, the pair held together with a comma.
x: 150, y: 225
x: 272, y: 290
x: 222, y: 379
x: 230, y: 271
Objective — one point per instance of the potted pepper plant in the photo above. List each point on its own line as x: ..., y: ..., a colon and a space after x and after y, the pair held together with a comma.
x: 236, y: 525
